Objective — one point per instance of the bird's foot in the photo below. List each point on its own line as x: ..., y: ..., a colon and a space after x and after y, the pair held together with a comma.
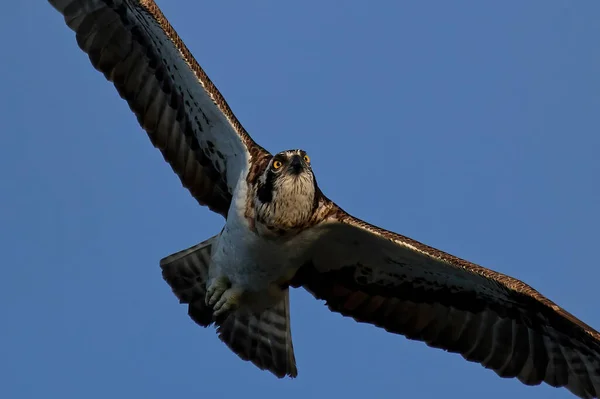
x: 215, y: 289
x: 222, y: 296
x: 229, y: 301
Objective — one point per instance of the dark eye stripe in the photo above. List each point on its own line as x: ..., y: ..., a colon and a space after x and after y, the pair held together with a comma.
x: 265, y: 192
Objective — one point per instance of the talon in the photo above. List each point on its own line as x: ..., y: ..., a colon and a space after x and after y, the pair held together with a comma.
x: 216, y: 290
x: 229, y: 301
x: 214, y: 296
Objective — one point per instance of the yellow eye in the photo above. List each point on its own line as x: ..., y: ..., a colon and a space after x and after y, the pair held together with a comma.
x: 277, y: 164
x: 306, y: 158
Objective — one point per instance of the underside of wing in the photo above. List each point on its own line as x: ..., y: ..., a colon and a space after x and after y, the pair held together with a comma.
x: 408, y: 288
x: 185, y: 116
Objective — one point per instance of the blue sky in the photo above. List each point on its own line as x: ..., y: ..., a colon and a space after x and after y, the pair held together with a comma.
x: 471, y: 126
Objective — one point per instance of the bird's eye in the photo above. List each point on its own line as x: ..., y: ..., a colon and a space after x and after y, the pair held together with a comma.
x: 306, y: 158
x: 277, y: 164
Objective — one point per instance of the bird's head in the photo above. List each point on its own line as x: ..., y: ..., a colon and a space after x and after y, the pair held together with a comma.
x: 286, y: 191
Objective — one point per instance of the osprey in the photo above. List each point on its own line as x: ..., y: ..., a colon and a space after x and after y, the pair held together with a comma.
x: 281, y: 231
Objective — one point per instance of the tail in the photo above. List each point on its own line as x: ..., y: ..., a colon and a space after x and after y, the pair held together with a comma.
x: 263, y: 338
x: 187, y: 273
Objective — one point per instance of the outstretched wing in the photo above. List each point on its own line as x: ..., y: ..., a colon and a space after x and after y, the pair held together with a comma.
x: 185, y: 116
x: 391, y: 281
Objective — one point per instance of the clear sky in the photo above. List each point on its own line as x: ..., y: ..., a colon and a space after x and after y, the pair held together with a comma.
x: 471, y: 126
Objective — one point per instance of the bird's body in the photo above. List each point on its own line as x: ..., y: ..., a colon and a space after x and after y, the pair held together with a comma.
x: 259, y: 251
x: 281, y: 231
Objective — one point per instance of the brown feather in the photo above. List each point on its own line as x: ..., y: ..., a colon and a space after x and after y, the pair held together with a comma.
x: 135, y: 47
x: 391, y: 281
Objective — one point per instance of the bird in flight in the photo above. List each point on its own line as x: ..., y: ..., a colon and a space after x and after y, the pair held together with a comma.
x: 281, y: 231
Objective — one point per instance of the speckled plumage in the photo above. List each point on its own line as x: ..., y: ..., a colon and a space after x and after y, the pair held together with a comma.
x: 263, y: 243
x: 281, y: 231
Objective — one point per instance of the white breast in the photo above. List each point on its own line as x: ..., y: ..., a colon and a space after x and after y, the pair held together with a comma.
x: 249, y: 260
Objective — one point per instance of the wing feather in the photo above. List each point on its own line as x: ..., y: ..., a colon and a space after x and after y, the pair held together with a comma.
x: 185, y: 116
x: 382, y: 278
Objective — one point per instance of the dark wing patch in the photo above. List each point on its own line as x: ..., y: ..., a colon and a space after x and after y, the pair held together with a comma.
x: 185, y: 116
x: 408, y: 288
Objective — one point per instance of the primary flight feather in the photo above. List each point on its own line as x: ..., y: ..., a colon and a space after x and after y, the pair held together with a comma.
x: 281, y: 231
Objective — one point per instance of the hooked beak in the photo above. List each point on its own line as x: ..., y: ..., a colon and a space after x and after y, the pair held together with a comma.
x: 296, y: 165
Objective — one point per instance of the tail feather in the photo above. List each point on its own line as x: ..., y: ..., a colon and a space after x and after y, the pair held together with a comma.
x: 263, y: 338
x: 187, y: 273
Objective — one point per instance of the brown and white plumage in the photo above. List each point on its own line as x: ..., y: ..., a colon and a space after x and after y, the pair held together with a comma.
x: 185, y: 116
x: 394, y: 282
x: 273, y: 239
